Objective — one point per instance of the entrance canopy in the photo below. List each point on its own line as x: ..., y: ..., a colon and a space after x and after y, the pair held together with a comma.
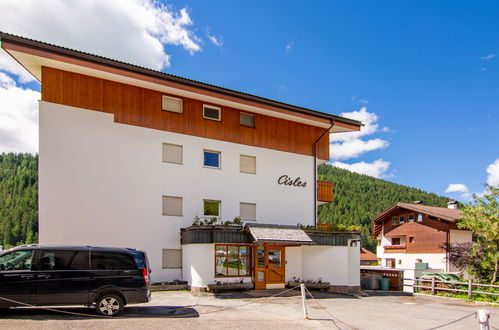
x: 278, y: 234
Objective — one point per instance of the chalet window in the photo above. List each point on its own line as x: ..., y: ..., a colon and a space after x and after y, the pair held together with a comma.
x: 396, y: 241
x: 411, y: 217
x: 172, y: 206
x: 402, y: 219
x: 232, y: 260
x: 395, y: 221
x: 172, y: 153
x: 247, y: 164
x: 420, y: 217
x: 172, y: 258
x: 212, y: 113
x: 247, y: 211
x: 379, y: 242
x: 172, y: 104
x: 411, y: 239
x: 247, y: 120
x: 211, y: 159
x: 211, y: 208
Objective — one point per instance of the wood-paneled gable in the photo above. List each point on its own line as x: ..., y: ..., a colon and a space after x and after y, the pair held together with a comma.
x: 137, y: 106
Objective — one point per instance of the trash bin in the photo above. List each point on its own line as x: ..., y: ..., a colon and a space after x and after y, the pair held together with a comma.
x: 384, y: 284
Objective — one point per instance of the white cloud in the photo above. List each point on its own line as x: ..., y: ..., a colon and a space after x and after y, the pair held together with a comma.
x: 134, y: 31
x: 289, y: 46
x: 488, y: 57
x: 364, y: 101
x: 376, y: 169
x: 216, y: 41
x: 456, y: 187
x: 18, y: 117
x: 493, y: 173
x: 351, y: 145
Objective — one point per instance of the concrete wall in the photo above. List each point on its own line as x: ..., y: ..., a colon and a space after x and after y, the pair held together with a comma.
x: 101, y: 183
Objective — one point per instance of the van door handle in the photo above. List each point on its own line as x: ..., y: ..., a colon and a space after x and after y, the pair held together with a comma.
x: 44, y: 276
x: 27, y: 276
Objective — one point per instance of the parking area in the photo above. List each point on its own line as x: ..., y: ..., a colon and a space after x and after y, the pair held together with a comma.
x: 181, y: 310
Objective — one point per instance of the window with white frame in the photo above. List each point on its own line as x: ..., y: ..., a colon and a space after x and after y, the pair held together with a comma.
x: 395, y: 221
x: 247, y: 164
x: 420, y: 217
x: 247, y: 211
x: 212, y: 113
x: 402, y: 219
x: 172, y: 258
x: 172, y: 206
x: 172, y: 153
x: 411, y: 217
x: 172, y: 104
x: 211, y: 208
x: 211, y: 159
x: 246, y: 120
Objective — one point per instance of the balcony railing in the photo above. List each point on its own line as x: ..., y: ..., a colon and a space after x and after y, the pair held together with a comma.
x: 395, y: 248
x: 324, y: 191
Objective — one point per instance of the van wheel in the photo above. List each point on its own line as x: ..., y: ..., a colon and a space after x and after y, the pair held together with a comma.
x: 109, y: 305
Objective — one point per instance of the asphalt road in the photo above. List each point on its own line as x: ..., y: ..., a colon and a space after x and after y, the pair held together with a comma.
x: 183, y: 310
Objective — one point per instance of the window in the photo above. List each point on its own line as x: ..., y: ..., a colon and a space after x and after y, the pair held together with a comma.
x: 211, y: 159
x: 172, y: 258
x: 212, y: 113
x: 247, y: 120
x: 247, y: 211
x: 211, y: 208
x: 17, y: 260
x: 379, y: 242
x: 399, y: 261
x: 389, y: 262
x: 419, y: 260
x: 411, y: 217
x: 111, y: 261
x: 420, y: 217
x: 247, y: 164
x: 172, y: 206
x: 396, y: 241
x: 395, y: 221
x: 402, y: 219
x: 411, y: 239
x: 232, y: 260
x: 64, y: 260
x: 172, y: 104
x: 172, y: 153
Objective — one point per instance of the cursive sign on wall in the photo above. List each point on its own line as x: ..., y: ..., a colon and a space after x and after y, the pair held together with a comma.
x: 287, y: 181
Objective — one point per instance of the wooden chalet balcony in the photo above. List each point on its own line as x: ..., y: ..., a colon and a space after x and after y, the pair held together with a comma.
x: 395, y: 248
x: 324, y: 191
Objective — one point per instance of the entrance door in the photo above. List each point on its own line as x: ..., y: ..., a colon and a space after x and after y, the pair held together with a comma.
x: 270, y: 267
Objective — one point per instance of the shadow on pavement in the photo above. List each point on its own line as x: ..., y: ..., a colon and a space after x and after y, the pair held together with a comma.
x: 379, y: 293
x: 89, y: 313
x: 271, y: 293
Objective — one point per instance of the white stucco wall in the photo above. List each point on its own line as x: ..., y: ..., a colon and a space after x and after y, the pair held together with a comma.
x: 435, y: 261
x: 293, y: 262
x: 101, y: 183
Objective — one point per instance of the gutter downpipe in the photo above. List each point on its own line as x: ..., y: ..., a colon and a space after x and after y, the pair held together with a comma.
x: 315, y: 171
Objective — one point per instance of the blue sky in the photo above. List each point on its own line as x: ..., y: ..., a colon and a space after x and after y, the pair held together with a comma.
x: 424, y: 74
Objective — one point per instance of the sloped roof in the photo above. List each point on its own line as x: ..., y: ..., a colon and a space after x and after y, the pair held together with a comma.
x: 367, y: 255
x: 278, y: 234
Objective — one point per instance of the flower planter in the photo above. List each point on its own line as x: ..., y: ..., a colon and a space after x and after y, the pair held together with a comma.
x: 315, y: 286
x: 231, y: 286
x: 169, y: 287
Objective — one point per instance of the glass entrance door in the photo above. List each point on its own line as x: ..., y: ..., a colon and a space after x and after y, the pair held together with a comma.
x: 269, y: 267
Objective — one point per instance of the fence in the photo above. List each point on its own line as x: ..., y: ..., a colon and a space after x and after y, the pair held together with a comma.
x: 460, y: 287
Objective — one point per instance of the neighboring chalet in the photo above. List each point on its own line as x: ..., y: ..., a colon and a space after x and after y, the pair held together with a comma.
x: 412, y: 236
x: 140, y: 158
x: 367, y: 258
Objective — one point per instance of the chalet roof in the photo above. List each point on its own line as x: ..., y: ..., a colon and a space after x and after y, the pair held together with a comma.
x: 278, y: 234
x: 39, y: 46
x: 367, y: 255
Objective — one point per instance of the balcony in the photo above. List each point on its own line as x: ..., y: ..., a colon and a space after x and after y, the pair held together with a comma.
x: 400, y: 248
x: 324, y: 191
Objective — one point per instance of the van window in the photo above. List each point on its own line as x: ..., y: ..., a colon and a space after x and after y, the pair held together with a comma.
x: 112, y: 261
x: 17, y: 260
x: 63, y: 260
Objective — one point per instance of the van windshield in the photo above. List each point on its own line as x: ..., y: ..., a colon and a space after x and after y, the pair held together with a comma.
x: 17, y: 260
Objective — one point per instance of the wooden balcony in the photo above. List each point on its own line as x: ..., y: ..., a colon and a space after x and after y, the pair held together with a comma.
x: 324, y: 191
x: 395, y: 248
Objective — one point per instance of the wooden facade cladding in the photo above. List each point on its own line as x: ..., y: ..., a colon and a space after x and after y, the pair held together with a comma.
x: 137, y: 106
x: 324, y: 191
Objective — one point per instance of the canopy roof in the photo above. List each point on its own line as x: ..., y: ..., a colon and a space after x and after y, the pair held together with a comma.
x: 278, y: 234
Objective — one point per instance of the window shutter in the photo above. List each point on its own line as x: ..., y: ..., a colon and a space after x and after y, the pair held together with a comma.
x: 172, y: 153
x: 247, y: 120
x: 172, y: 258
x: 172, y: 104
x: 248, y: 164
x: 247, y: 211
x: 172, y: 206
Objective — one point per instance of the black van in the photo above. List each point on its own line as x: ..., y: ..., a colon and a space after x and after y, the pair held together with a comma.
x: 104, y: 277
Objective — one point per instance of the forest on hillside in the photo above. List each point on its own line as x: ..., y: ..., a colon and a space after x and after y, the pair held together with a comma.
x: 357, y: 199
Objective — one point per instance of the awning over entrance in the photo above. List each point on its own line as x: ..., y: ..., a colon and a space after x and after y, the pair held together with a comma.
x: 278, y: 234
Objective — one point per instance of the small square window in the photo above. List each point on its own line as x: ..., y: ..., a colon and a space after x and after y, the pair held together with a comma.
x: 411, y: 239
x: 211, y: 159
x: 172, y: 258
x: 211, y: 208
x: 172, y: 206
x: 247, y: 211
x: 395, y: 221
x: 247, y: 120
x: 411, y: 217
x: 402, y: 219
x: 172, y: 104
x: 210, y: 112
x: 172, y: 153
x: 396, y: 241
x: 247, y: 164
